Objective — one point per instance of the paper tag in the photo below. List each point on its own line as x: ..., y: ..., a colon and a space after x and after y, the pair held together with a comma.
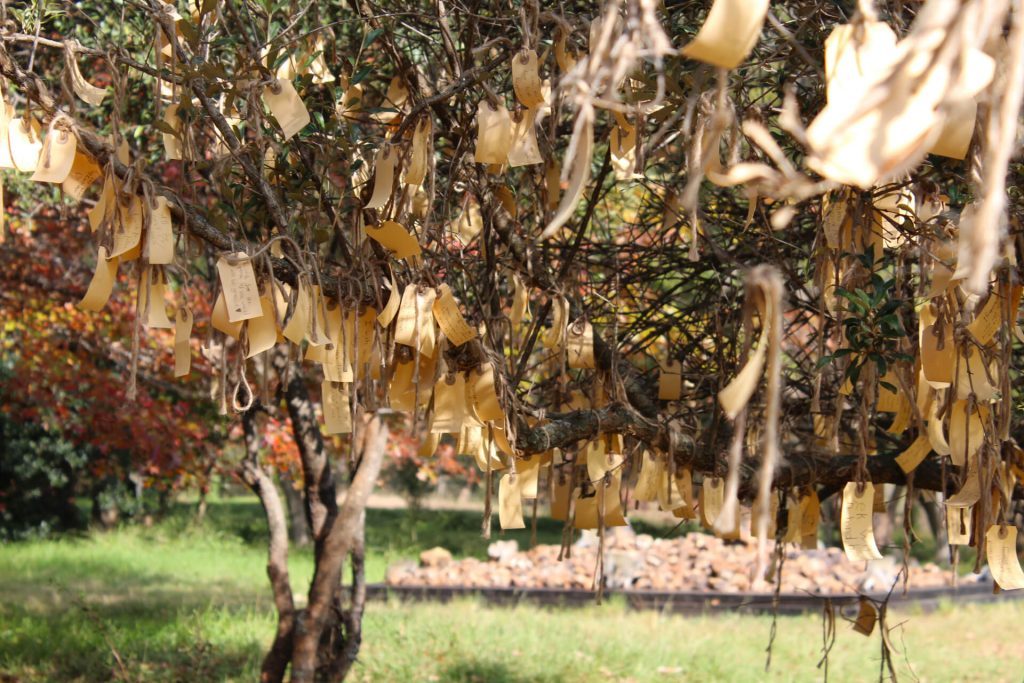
x: 939, y: 364
x: 990, y: 319
x: 262, y: 331
x: 555, y: 337
x: 152, y: 302
x: 936, y: 436
x: 867, y: 615
x: 25, y: 144
x: 528, y: 471
x: 449, y: 318
x: 6, y: 116
x: 98, y: 213
x: 737, y: 393
x: 483, y: 394
x: 1001, y: 548
x: 219, y: 319
x: 102, y: 283
x: 469, y: 223
x: 647, y: 484
x: 402, y: 390
x: 160, y: 239
x: 85, y: 90
x: 580, y: 345
x: 520, y: 301
x: 856, y: 527
x: 383, y: 177
x: 957, y: 130
x: 958, y: 525
x: 172, y: 141
x: 182, y: 347
x: 416, y: 171
x: 238, y: 283
x: 904, y: 411
x: 524, y: 150
x: 127, y: 230
x: 286, y: 106
x: 909, y: 459
x: 970, y: 490
x: 84, y: 172
x: 391, y: 307
x: 415, y: 325
x: 395, y: 238
x: 972, y: 376
x: 729, y: 33
x: 561, y: 492
x: 449, y: 405
x: 712, y: 497
x: 810, y: 515
x: 510, y: 502
x: 966, y: 432
x: 56, y: 158
x: 337, y: 412
x: 670, y: 381
x: 526, y: 79
x: 622, y: 146
x: 494, y: 134
x: 684, y: 487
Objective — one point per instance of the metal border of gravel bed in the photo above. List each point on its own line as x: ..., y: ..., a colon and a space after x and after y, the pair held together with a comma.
x: 687, y: 602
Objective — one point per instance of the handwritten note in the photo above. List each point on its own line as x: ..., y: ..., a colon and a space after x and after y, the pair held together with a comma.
x: 449, y: 318
x: 856, y: 523
x: 127, y: 229
x: 337, y: 412
x: 1001, y: 547
x: 84, y: 172
x: 238, y: 283
x: 160, y: 239
x: 415, y: 325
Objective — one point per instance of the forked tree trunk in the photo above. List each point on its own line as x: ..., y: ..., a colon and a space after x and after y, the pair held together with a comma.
x: 328, y: 636
x: 276, y: 660
x: 325, y: 637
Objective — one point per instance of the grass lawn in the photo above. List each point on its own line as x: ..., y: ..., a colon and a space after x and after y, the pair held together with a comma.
x: 183, y: 603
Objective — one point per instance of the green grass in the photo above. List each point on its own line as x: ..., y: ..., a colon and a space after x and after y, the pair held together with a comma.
x: 179, y: 602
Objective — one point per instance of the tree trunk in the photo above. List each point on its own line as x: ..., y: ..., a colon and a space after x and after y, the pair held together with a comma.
x: 276, y: 660
x: 298, y: 529
x: 344, y: 536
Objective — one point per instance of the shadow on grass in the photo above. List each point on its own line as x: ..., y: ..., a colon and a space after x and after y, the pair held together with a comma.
x: 156, y: 640
x: 476, y: 671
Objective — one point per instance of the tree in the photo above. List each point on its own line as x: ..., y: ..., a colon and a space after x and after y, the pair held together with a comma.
x: 393, y: 190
